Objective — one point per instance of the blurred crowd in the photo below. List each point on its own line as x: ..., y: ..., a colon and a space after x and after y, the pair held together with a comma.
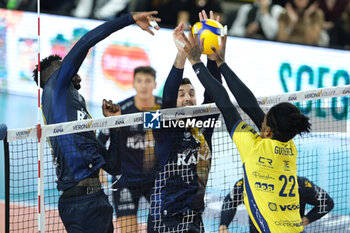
x: 323, y: 23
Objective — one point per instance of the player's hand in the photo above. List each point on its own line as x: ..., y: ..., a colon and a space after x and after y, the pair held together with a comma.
x: 192, y: 46
x: 219, y: 55
x: 181, y: 55
x: 203, y: 16
x: 305, y: 221
x: 223, y: 229
x: 110, y: 109
x: 145, y: 20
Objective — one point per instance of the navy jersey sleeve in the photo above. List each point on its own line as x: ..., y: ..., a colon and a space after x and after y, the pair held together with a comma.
x: 314, y: 195
x: 73, y: 60
x: 245, y: 98
x: 171, y: 88
x: 215, y: 72
x: 231, y: 201
x: 222, y: 100
x: 111, y: 156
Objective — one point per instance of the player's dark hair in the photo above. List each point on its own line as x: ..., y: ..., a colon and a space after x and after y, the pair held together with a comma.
x: 145, y: 69
x: 44, y: 64
x: 185, y: 81
x: 286, y: 121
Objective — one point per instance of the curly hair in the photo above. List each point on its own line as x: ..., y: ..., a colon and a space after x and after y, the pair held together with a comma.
x: 44, y: 64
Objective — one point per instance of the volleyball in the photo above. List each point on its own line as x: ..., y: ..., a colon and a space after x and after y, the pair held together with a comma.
x: 210, y: 30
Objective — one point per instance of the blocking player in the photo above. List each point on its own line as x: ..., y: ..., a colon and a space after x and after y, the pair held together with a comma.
x: 136, y: 150
x: 309, y: 193
x: 266, y: 153
x: 83, y: 206
x: 184, y: 155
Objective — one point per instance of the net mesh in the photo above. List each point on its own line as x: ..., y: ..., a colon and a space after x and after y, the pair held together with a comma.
x: 323, y: 157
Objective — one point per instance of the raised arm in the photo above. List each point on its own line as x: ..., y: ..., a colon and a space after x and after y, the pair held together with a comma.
x: 172, y: 83
x: 211, y: 85
x: 77, y: 54
x: 245, y: 98
x: 229, y: 206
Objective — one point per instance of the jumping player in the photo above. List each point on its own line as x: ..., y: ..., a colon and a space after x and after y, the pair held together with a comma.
x: 265, y: 153
x: 309, y: 193
x: 83, y: 206
x: 184, y: 156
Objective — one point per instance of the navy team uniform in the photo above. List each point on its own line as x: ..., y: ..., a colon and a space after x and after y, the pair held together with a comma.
x: 309, y: 193
x: 185, y: 158
x: 138, y: 163
x: 79, y: 157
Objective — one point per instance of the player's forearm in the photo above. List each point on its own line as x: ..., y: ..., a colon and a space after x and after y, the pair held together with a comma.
x: 112, y: 155
x: 228, y: 211
x: 219, y: 95
x: 245, y: 98
x: 171, y: 87
x: 320, y: 210
x: 214, y: 70
x: 78, y: 53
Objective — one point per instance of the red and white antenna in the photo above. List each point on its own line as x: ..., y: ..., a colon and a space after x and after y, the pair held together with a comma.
x: 41, y: 206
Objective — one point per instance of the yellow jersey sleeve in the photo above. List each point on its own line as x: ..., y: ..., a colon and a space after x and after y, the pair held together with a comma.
x: 244, y: 136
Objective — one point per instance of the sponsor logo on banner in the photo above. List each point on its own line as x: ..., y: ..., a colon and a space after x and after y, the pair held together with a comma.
x: 292, y: 98
x: 313, y: 95
x: 199, y: 111
x: 82, y: 126
x: 23, y: 134
x: 119, y: 122
x: 179, y: 114
x: 138, y: 119
x: 273, y: 101
x: 346, y: 91
x: 58, y: 130
x: 99, y: 124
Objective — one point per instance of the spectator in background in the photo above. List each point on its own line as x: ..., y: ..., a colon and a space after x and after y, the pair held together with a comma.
x: 257, y: 20
x: 189, y: 10
x: 332, y: 10
x: 340, y: 34
x: 62, y: 7
x: 302, y: 22
x: 101, y: 9
x: 168, y: 10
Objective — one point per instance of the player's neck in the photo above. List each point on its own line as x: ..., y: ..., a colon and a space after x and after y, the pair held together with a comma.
x: 144, y: 104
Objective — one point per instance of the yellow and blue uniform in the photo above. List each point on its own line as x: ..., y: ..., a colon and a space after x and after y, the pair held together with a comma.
x: 272, y: 200
x: 270, y: 173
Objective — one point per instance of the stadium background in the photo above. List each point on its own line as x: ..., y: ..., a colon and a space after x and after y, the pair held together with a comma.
x: 267, y: 68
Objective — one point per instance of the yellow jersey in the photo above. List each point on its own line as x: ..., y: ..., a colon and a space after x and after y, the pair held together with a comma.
x: 270, y: 180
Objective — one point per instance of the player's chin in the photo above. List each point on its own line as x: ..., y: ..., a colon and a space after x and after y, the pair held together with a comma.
x: 187, y: 104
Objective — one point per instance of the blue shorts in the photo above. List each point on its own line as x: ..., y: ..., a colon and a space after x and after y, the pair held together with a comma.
x: 86, y: 213
x: 191, y: 223
x: 126, y: 198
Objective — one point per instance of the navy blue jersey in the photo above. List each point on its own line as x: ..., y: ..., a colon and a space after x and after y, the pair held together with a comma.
x: 185, y: 158
x: 136, y: 147
x: 76, y: 156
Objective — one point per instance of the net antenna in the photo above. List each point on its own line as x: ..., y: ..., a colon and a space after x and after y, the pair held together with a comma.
x: 40, y: 199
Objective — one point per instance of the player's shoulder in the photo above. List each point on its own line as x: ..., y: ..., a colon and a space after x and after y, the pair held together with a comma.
x: 158, y: 102
x: 127, y: 103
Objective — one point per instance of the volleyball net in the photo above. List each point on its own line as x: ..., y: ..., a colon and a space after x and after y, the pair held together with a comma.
x: 323, y: 158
